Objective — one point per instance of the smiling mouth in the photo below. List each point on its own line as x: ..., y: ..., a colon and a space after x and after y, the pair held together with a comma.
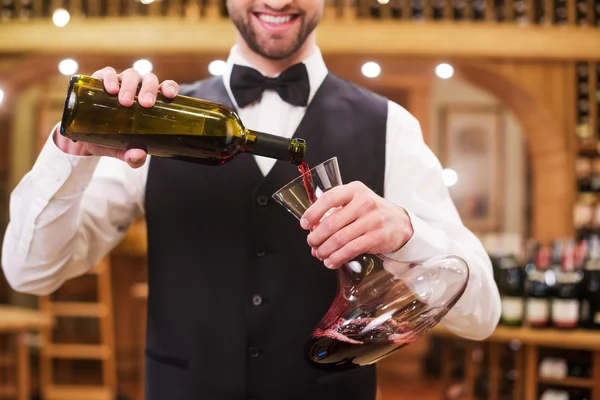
x: 276, y: 19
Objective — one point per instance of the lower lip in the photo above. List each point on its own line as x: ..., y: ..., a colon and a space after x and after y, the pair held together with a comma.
x: 276, y: 27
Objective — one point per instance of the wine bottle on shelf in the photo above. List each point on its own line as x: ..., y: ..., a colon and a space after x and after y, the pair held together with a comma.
x: 538, y: 290
x: 417, y: 10
x: 579, y: 394
x: 583, y: 218
x: 590, y: 288
x: 520, y: 8
x: 182, y: 128
x: 396, y: 9
x: 499, y: 10
x: 478, y: 10
x: 511, y: 280
x: 492, y: 245
x: 579, y: 364
x: 583, y: 169
x: 582, y: 10
x: 565, y: 299
x: 597, y: 88
x: 595, y: 175
x: 375, y: 9
x: 555, y: 394
x: 560, y: 12
x: 582, y: 72
x: 540, y: 13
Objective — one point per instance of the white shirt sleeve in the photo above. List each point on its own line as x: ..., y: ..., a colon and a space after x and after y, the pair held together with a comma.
x: 65, y: 215
x: 414, y: 181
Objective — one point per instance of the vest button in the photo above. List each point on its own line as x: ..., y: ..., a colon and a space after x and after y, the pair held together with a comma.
x: 257, y: 300
x: 260, y: 251
x: 253, y: 352
x: 262, y: 200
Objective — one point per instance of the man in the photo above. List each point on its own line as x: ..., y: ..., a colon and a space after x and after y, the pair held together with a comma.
x: 234, y: 291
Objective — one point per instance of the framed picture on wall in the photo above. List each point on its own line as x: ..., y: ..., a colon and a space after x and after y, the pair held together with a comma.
x: 471, y: 139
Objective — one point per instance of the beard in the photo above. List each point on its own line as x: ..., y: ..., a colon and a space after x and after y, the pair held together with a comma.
x: 273, y: 48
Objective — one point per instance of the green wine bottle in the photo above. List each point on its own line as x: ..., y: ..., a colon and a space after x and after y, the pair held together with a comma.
x: 182, y: 128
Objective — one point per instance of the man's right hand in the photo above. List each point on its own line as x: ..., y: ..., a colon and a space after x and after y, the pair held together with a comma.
x: 125, y: 84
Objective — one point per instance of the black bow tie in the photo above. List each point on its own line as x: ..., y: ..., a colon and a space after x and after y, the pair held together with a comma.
x: 292, y: 85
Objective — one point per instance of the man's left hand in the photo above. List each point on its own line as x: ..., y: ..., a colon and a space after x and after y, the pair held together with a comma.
x: 357, y: 221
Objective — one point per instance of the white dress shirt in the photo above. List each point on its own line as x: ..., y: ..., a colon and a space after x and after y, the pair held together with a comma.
x: 69, y: 211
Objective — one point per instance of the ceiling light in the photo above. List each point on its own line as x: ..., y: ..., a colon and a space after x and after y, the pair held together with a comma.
x: 371, y: 69
x: 217, y: 67
x: 143, y: 67
x: 61, y: 17
x: 444, y: 71
x: 68, y: 67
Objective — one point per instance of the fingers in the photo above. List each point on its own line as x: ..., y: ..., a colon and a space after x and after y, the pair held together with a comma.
x: 130, y: 80
x: 340, y: 239
x: 135, y: 158
x: 337, y: 197
x: 148, y: 91
x: 127, y: 83
x: 347, y: 253
x: 332, y: 223
x: 169, y: 88
x: 110, y: 78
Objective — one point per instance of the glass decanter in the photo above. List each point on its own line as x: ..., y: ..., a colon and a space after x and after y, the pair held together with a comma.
x: 382, y: 304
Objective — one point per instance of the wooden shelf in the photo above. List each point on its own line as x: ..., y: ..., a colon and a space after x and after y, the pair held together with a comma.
x: 59, y: 392
x: 78, y: 351
x: 15, y: 319
x: 568, y: 339
x: 78, y: 309
x: 588, y: 149
x: 571, y: 382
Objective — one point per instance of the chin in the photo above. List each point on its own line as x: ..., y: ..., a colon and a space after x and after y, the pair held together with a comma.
x: 277, y: 52
x: 277, y: 55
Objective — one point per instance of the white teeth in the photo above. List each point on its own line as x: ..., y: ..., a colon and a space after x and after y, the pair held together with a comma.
x: 275, y: 20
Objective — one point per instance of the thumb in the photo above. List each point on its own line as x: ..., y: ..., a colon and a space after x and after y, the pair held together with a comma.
x: 135, y: 157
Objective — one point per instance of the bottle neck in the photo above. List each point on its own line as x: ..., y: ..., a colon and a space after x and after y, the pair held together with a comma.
x: 276, y: 147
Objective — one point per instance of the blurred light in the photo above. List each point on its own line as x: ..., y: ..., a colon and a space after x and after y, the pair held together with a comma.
x: 444, y: 71
x: 371, y: 69
x: 143, y: 67
x: 68, y: 67
x: 146, y: 1
x: 450, y: 177
x: 383, y: 1
x: 1, y: 95
x: 217, y: 67
x: 61, y: 17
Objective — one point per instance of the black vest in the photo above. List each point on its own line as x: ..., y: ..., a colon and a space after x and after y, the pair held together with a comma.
x: 234, y: 292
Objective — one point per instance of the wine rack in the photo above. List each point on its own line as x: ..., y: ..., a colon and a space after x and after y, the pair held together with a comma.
x: 486, y: 361
x: 518, y: 12
x: 586, y: 82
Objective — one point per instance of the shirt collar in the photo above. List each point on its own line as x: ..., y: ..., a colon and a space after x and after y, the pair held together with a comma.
x: 315, y: 66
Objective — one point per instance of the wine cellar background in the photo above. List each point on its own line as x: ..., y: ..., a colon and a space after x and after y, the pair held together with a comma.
x: 539, y: 58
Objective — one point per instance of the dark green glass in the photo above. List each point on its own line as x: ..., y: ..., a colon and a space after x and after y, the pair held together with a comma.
x: 183, y: 128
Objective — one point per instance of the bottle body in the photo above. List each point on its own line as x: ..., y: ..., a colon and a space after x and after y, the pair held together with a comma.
x: 590, y: 290
x: 538, y: 292
x: 566, y: 296
x: 511, y: 281
x: 182, y: 128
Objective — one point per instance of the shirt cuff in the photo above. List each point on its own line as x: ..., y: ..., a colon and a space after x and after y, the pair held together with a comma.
x: 426, y: 242
x: 61, y: 173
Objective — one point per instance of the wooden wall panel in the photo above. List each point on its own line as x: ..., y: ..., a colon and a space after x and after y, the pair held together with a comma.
x: 540, y: 95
